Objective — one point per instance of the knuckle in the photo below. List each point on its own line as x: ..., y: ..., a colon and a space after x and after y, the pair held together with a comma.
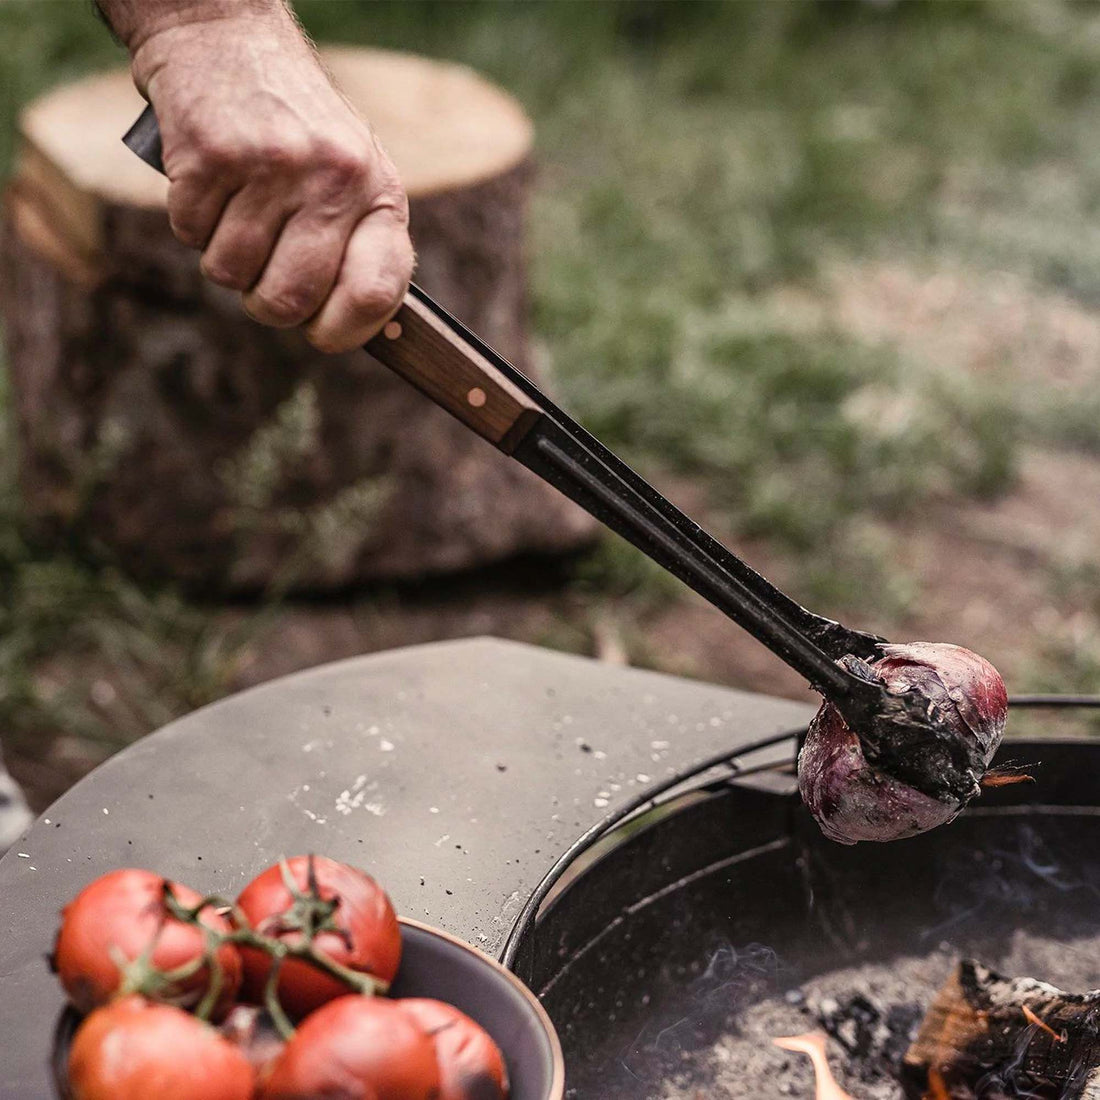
x: 390, y: 195
x: 398, y: 203
x: 344, y: 166
x: 375, y: 297
x: 185, y: 219
x: 283, y: 155
x: 283, y: 308
x: 329, y: 341
x: 185, y: 231
x: 224, y: 274
x: 214, y: 153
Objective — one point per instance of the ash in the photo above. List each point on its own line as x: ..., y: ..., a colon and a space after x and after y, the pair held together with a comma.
x: 871, y: 1013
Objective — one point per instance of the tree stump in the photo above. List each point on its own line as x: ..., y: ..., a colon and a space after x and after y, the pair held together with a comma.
x: 157, y: 421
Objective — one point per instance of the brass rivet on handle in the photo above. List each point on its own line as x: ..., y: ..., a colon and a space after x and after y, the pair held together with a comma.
x: 392, y: 330
x: 476, y: 397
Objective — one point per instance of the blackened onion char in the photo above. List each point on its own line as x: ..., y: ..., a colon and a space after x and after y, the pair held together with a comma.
x: 851, y: 799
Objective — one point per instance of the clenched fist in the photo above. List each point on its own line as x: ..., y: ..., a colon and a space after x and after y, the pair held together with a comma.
x: 273, y: 176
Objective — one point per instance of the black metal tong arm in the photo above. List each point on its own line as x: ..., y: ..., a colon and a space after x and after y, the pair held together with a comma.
x: 897, y: 731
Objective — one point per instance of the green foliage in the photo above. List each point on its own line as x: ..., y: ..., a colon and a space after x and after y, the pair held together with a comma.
x: 254, y: 476
x: 695, y: 158
x: 616, y: 570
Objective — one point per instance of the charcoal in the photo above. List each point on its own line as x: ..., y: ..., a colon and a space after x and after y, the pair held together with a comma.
x: 875, y: 1035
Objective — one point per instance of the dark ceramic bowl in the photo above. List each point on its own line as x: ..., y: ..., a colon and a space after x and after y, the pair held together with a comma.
x: 435, y: 964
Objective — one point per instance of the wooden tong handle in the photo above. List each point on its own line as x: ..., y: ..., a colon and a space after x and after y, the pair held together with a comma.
x: 417, y: 345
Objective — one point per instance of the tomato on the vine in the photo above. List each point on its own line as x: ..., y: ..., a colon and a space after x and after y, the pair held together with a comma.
x: 363, y: 1047
x: 361, y: 932
x: 133, y: 1049
x: 471, y: 1066
x: 122, y: 914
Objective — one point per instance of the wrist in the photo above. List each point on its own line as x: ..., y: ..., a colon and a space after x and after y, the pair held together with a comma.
x: 136, y: 22
x: 204, y: 25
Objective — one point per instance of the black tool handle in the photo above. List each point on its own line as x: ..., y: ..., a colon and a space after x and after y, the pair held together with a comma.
x: 143, y: 138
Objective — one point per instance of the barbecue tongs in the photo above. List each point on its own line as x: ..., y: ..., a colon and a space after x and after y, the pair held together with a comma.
x: 443, y: 359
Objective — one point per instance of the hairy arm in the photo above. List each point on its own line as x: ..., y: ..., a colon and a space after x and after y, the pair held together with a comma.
x: 273, y: 176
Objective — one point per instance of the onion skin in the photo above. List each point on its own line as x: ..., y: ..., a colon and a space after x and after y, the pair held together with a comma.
x: 851, y: 799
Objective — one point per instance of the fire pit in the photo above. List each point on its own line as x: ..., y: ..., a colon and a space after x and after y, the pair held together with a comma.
x: 673, y: 961
x: 718, y: 922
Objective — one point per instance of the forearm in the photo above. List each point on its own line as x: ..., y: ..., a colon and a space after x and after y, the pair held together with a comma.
x: 136, y: 21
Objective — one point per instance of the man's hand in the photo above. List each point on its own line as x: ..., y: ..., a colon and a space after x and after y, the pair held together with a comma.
x: 274, y: 177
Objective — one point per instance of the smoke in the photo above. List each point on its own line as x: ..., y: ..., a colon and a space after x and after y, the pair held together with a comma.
x: 1018, y: 873
x: 732, y: 978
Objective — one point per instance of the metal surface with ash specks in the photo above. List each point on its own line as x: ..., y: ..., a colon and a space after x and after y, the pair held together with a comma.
x: 456, y: 772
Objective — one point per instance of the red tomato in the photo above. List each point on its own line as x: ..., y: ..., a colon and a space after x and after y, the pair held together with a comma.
x: 471, y: 1066
x: 134, y: 1049
x: 356, y: 1048
x: 124, y: 911
x: 368, y: 940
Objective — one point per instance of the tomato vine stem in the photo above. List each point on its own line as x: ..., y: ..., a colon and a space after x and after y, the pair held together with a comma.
x: 310, y: 915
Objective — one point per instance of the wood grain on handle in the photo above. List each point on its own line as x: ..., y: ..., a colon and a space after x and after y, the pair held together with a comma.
x: 418, y: 346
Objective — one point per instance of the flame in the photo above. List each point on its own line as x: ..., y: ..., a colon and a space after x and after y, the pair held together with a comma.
x: 1042, y: 1025
x: 937, y: 1086
x: 813, y: 1046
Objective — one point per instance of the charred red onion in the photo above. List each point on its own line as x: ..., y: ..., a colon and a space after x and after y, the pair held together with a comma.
x: 853, y: 800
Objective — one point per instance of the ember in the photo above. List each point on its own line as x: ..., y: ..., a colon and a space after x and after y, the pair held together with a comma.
x: 937, y: 1087
x: 989, y: 1035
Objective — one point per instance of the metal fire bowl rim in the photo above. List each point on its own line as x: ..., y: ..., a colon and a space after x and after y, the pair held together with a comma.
x: 702, y: 775
x: 659, y: 898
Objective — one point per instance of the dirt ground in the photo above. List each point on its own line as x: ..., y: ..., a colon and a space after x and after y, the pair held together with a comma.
x: 1016, y: 578
x: 984, y: 582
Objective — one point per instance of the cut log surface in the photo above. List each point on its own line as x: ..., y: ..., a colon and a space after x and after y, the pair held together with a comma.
x: 990, y: 1037
x: 159, y: 421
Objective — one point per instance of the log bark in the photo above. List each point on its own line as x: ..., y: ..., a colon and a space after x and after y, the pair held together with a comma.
x: 158, y: 422
x: 990, y: 1037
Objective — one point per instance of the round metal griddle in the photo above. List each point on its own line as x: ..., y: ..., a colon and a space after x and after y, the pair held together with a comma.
x: 457, y: 773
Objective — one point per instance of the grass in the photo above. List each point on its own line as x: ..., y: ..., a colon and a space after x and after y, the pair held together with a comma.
x: 698, y: 162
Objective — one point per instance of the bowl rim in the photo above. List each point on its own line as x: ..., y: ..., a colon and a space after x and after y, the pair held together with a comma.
x: 557, y: 1081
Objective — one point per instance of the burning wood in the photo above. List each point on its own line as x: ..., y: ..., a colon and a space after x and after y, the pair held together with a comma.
x: 813, y: 1046
x: 990, y: 1037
